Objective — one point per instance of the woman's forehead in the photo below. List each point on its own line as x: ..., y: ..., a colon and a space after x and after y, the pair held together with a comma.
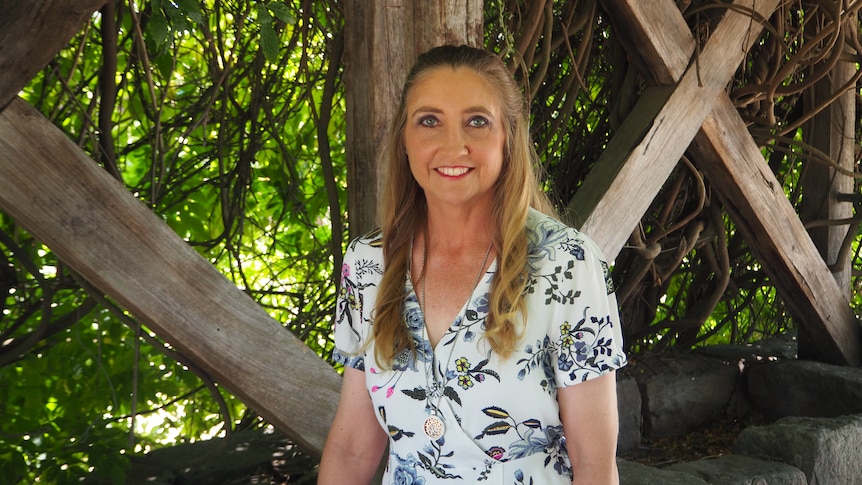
x: 452, y: 86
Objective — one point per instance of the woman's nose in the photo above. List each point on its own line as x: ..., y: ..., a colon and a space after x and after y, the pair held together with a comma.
x: 456, y: 141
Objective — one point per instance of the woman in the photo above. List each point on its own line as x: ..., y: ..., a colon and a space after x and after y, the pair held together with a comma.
x: 480, y: 336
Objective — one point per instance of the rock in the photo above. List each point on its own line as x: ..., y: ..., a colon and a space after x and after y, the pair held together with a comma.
x: 804, y: 388
x: 780, y: 347
x: 827, y: 450
x: 683, y: 392
x: 629, y: 407
x: 261, y: 452
x: 632, y: 473
x: 742, y: 470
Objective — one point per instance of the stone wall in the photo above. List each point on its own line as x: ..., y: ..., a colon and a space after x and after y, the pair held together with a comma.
x: 812, y: 413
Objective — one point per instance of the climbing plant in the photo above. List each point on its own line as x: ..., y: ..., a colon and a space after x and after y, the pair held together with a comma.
x: 226, y: 118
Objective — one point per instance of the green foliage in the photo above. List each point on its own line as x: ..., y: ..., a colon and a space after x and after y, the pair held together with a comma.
x: 214, y: 128
x: 214, y: 110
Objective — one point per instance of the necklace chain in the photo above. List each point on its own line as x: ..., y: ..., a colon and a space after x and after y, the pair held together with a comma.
x: 433, y: 425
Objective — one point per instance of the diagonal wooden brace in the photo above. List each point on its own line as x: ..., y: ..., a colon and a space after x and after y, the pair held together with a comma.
x: 654, y: 137
x: 731, y: 161
x: 62, y: 197
x: 101, y: 231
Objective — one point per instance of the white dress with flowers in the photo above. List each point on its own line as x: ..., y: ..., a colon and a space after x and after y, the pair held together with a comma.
x: 502, y: 423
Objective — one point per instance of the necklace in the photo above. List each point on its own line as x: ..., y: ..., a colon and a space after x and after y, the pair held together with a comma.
x: 433, y: 426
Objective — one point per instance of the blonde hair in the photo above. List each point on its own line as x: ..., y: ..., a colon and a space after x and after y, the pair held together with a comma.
x: 404, y: 209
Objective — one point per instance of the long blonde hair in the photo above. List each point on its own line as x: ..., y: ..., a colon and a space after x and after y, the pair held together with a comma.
x: 404, y: 209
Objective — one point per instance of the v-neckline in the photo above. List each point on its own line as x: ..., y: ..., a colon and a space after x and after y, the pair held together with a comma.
x: 452, y: 328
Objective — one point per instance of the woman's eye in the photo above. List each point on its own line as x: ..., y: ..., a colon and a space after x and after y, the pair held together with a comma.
x: 478, y: 122
x: 428, y: 121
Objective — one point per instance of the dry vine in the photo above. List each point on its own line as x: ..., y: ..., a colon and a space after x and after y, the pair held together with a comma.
x: 686, y: 275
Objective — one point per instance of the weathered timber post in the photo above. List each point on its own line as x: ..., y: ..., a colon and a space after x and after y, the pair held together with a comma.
x: 827, y: 206
x: 382, y: 40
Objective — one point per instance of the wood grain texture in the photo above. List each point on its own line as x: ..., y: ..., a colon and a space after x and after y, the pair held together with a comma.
x: 755, y: 199
x: 31, y: 33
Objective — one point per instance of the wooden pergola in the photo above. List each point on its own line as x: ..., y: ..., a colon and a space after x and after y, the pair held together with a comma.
x: 65, y: 199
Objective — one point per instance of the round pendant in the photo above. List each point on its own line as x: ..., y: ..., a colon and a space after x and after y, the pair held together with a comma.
x: 434, y: 427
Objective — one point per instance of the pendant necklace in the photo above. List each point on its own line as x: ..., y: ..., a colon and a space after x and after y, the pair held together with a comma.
x: 433, y: 426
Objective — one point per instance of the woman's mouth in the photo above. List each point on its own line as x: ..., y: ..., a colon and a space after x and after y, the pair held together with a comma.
x: 453, y: 171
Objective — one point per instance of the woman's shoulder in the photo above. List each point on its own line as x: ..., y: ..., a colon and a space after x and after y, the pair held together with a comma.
x: 363, y: 260
x: 551, y: 238
x: 371, y: 242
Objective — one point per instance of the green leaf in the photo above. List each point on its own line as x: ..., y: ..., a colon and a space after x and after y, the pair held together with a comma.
x: 14, y: 466
x: 157, y: 30
x: 281, y: 12
x: 263, y: 16
x: 452, y: 394
x: 191, y: 9
x: 498, y: 427
x: 533, y: 423
x: 417, y: 393
x: 269, y: 42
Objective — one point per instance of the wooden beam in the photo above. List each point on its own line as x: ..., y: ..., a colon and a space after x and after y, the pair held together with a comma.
x: 31, y: 33
x: 50, y: 187
x: 831, y: 131
x: 619, y: 173
x: 753, y: 196
x: 755, y: 199
x: 662, y: 55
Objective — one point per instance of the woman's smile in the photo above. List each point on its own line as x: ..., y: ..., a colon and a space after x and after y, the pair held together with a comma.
x: 453, y: 171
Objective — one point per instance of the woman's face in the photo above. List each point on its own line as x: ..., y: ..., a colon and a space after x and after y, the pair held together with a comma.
x: 454, y: 137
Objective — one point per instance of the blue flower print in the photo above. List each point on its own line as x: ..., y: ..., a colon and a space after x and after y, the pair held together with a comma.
x: 501, y: 409
x: 482, y: 304
x: 413, y: 316
x: 543, y: 241
x: 406, y: 476
x: 564, y: 362
x: 575, y: 249
x: 582, y: 351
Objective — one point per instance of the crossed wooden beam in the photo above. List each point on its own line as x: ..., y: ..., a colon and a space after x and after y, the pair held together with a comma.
x: 95, y: 226
x: 61, y: 196
x: 692, y: 107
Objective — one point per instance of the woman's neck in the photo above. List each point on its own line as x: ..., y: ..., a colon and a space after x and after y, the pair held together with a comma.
x: 458, y: 230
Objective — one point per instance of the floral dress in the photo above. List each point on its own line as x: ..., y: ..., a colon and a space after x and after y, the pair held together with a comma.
x: 502, y: 423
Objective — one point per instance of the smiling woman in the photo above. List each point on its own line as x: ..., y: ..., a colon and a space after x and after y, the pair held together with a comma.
x: 490, y: 350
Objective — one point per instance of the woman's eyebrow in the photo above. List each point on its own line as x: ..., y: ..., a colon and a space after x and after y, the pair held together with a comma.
x: 426, y: 109
x: 479, y: 109
x: 472, y: 109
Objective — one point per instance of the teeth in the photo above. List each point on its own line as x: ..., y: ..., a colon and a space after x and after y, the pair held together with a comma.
x: 453, y: 171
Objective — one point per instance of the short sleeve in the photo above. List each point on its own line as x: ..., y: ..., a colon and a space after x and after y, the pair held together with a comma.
x: 586, y: 327
x: 360, y: 277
